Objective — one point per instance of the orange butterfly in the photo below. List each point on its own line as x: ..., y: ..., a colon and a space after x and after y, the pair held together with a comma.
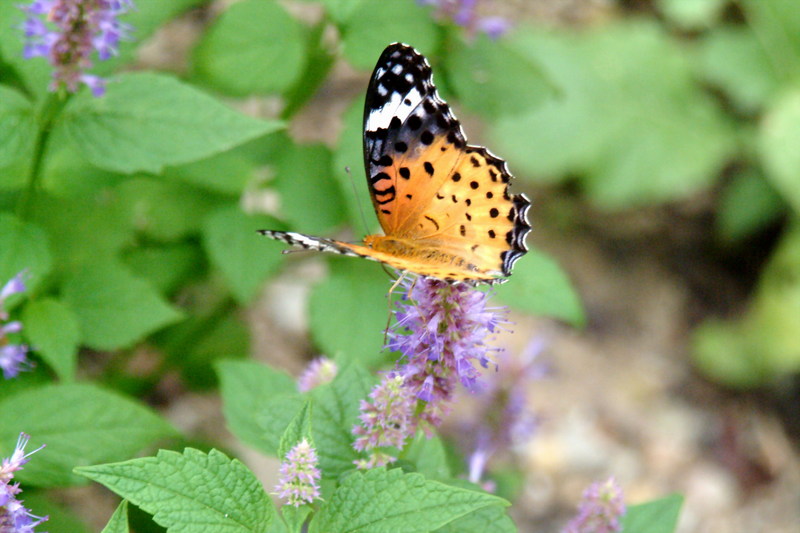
x: 444, y: 205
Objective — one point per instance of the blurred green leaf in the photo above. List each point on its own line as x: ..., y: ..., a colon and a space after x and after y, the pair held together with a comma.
x: 397, y: 21
x: 310, y: 199
x: 733, y: 59
x: 747, y: 205
x: 165, y: 211
x: 115, y: 309
x: 17, y: 126
x: 778, y: 142
x: 227, y: 173
x: 224, y: 337
x: 692, y: 14
x: 349, y: 310
x: 493, y: 78
x: 245, y: 258
x: 147, y: 121
x: 35, y: 73
x: 119, y: 520
x: 69, y: 175
x: 165, y: 267
x: 190, y: 492
x: 259, y: 402
x: 59, y: 518
x: 80, y: 424
x: 319, y: 59
x: 350, y: 155
x: 777, y: 25
x: 254, y: 47
x: 53, y: 332
x: 23, y: 246
x: 429, y: 456
x: 658, y: 516
x: 336, y: 409
x: 539, y: 286
x: 299, y: 429
x: 341, y: 10
x: 626, y: 105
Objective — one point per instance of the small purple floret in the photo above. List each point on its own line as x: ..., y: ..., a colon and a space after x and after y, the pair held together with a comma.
x: 601, y: 508
x: 14, y: 517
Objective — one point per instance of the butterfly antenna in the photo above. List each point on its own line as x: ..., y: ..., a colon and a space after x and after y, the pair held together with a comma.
x: 358, y: 202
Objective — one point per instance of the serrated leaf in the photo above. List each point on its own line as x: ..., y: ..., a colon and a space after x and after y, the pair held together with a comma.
x: 114, y: 308
x: 539, y: 286
x: 245, y: 258
x: 23, y: 246
x: 484, y: 67
x: 778, y: 140
x: 378, y: 500
x: 190, y: 492
x: 17, y: 126
x: 258, y: 402
x: 53, y: 332
x: 399, y: 21
x: 118, y: 523
x: 493, y: 518
x: 659, y: 516
x: 254, y: 47
x: 349, y: 310
x: 299, y: 429
x: 147, y: 121
x: 80, y: 424
x: 336, y: 409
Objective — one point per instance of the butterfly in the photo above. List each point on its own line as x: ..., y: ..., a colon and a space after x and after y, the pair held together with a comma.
x: 444, y: 205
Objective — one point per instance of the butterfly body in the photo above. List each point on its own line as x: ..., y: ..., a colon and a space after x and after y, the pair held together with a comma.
x: 444, y: 205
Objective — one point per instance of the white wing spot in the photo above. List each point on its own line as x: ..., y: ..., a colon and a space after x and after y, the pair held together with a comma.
x: 381, y: 117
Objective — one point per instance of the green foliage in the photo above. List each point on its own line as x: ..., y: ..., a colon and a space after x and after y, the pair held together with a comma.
x: 191, y: 492
x: 118, y: 523
x: 52, y: 327
x: 658, y: 516
x: 80, y: 424
x: 23, y: 246
x: 379, y: 500
x: 17, y: 126
x: 779, y: 138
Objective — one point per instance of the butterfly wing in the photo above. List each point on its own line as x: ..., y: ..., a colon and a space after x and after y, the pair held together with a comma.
x: 429, y: 188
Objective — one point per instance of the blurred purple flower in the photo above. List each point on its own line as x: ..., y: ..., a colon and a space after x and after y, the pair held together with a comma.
x: 67, y: 32
x: 387, y: 421
x: 601, y: 508
x: 464, y: 13
x: 299, y: 476
x: 502, y: 418
x: 14, y: 517
x: 318, y: 372
x: 13, y: 356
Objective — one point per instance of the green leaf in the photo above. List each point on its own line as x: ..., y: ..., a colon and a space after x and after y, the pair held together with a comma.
x: 165, y: 267
x: 59, y: 518
x: 319, y: 59
x: 190, y: 492
x: 295, y: 517
x: 658, y: 516
x: 17, y: 126
x: 52, y: 330
x: 349, y: 310
x: 226, y: 173
x: 310, y: 199
x: 299, y: 429
x: 81, y: 424
x: 379, y: 500
x: 778, y: 140
x: 147, y: 121
x: 34, y: 73
x: 747, y: 204
x: 258, y: 402
x: 119, y: 520
x: 493, y: 518
x: 165, y: 211
x: 732, y: 58
x: 336, y: 409
x: 114, y: 308
x: 245, y: 258
x: 341, y: 10
x: 254, y: 47
x: 691, y: 14
x: 618, y: 129
x: 429, y: 457
x: 493, y: 78
x: 23, y: 246
x: 66, y: 174
x: 777, y: 25
x: 399, y: 21
x: 539, y: 286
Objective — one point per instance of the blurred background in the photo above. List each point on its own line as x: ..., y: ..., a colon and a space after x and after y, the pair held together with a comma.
x: 659, y: 141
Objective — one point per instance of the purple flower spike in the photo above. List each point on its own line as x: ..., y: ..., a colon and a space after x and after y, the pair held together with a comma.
x: 299, y: 475
x: 601, y: 508
x: 67, y: 32
x: 464, y: 14
x: 318, y: 372
x: 14, y: 517
x: 13, y: 355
